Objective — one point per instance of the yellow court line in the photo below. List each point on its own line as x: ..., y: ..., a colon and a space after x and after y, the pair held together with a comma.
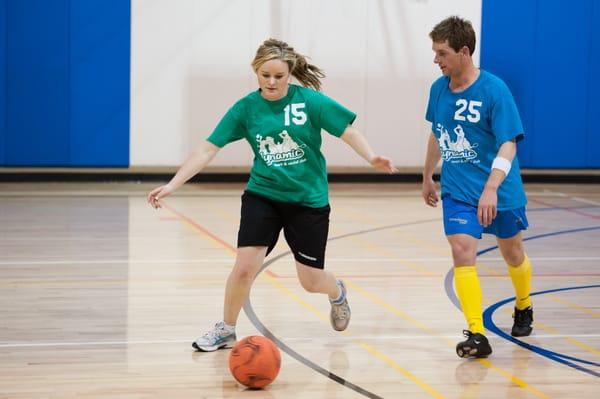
x: 551, y: 330
x: 544, y: 327
x: 91, y: 284
x: 386, y: 359
x: 315, y: 311
x: 380, y: 250
x: 206, y: 235
x: 227, y: 215
x: 573, y: 305
x: 387, y: 254
x: 390, y: 308
x: 514, y: 379
x: 517, y: 381
x: 553, y: 297
x: 423, y: 244
x: 481, y: 266
x: 431, y: 248
x: 372, y: 350
x: 573, y: 341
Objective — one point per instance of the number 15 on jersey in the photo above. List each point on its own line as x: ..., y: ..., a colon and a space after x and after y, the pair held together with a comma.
x: 298, y: 115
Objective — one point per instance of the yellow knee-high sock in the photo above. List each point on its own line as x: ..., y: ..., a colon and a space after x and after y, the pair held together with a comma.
x: 521, y: 279
x: 469, y: 293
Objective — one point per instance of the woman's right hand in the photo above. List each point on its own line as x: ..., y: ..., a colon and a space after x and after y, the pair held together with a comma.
x: 159, y: 192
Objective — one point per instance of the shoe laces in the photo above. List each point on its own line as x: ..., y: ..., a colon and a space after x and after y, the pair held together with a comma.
x: 467, y: 333
x: 522, y: 316
x: 340, y: 311
x: 215, y: 333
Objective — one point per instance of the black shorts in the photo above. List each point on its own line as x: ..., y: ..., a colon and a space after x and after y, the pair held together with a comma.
x: 305, y: 229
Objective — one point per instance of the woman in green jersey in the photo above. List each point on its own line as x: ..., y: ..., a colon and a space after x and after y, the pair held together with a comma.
x: 287, y: 189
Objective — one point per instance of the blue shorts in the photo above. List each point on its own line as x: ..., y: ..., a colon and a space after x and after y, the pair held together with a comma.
x: 461, y: 218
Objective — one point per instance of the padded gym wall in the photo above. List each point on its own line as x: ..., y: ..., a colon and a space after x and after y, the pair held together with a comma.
x: 548, y: 53
x: 67, y: 83
x: 2, y: 78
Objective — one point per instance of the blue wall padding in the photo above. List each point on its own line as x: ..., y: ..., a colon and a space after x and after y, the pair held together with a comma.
x: 100, y: 54
x: 547, y: 53
x: 562, y: 73
x: 67, y: 74
x: 593, y: 99
x: 37, y: 124
x: 499, y: 41
x: 2, y: 78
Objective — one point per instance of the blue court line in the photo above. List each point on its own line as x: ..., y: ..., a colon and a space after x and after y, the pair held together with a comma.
x: 558, y: 357
x: 487, y: 314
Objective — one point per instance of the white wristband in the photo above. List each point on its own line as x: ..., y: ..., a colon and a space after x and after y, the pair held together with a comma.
x: 502, y: 164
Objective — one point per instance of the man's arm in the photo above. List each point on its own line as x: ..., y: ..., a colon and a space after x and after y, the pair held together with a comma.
x: 432, y: 158
x: 487, y: 209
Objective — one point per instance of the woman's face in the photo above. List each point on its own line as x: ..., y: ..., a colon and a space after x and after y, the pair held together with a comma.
x: 273, y: 78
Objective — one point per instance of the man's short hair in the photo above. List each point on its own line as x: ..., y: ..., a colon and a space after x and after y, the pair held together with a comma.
x: 459, y: 33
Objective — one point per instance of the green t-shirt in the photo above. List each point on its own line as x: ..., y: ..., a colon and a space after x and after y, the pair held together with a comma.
x: 285, y: 136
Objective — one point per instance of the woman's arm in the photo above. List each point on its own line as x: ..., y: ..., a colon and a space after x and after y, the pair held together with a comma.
x: 355, y: 139
x: 195, y: 162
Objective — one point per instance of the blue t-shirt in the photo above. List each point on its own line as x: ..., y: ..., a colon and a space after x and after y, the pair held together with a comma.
x: 470, y: 127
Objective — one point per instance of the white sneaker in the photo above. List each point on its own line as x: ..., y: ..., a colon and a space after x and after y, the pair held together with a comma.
x: 217, y: 338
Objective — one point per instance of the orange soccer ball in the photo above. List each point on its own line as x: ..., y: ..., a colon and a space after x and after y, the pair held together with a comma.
x: 255, y: 361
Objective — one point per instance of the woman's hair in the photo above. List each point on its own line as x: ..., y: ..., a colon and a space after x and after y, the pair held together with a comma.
x: 272, y: 49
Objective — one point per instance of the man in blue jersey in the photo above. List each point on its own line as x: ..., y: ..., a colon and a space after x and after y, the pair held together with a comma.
x: 475, y: 128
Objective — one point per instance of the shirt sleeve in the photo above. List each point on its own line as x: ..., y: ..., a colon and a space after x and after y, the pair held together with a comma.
x: 506, y: 122
x: 331, y: 115
x: 429, y: 114
x: 229, y: 129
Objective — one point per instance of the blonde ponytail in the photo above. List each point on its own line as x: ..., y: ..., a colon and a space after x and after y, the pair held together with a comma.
x: 272, y: 49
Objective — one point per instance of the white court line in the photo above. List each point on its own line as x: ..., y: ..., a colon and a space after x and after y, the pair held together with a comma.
x: 226, y: 193
x: 296, y: 339
x: 230, y: 260
x: 586, y: 201
x: 115, y: 261
x: 445, y: 259
x: 578, y: 199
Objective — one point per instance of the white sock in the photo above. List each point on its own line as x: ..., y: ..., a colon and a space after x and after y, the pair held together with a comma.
x: 227, y: 327
x: 340, y: 297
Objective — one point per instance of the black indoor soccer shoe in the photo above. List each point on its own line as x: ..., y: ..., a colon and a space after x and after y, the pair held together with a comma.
x: 476, y: 345
x: 522, y: 324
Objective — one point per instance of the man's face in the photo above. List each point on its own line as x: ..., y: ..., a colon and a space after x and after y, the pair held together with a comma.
x: 273, y: 77
x: 449, y: 61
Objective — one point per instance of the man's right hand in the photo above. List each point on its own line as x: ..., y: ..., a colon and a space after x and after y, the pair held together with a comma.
x: 429, y: 192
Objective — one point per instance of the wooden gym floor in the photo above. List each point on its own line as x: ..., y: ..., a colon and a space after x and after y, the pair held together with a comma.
x: 101, y: 297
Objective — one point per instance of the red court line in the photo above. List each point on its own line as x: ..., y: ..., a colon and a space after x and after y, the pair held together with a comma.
x: 208, y: 233
x: 565, y: 209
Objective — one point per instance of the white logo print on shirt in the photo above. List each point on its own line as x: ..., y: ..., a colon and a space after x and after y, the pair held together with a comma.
x: 280, y: 154
x: 460, y: 150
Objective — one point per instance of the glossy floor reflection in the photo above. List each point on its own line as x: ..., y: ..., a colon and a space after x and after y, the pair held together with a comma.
x: 101, y: 297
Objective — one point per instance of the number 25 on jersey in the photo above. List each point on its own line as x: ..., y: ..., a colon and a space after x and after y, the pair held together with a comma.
x: 473, y: 114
